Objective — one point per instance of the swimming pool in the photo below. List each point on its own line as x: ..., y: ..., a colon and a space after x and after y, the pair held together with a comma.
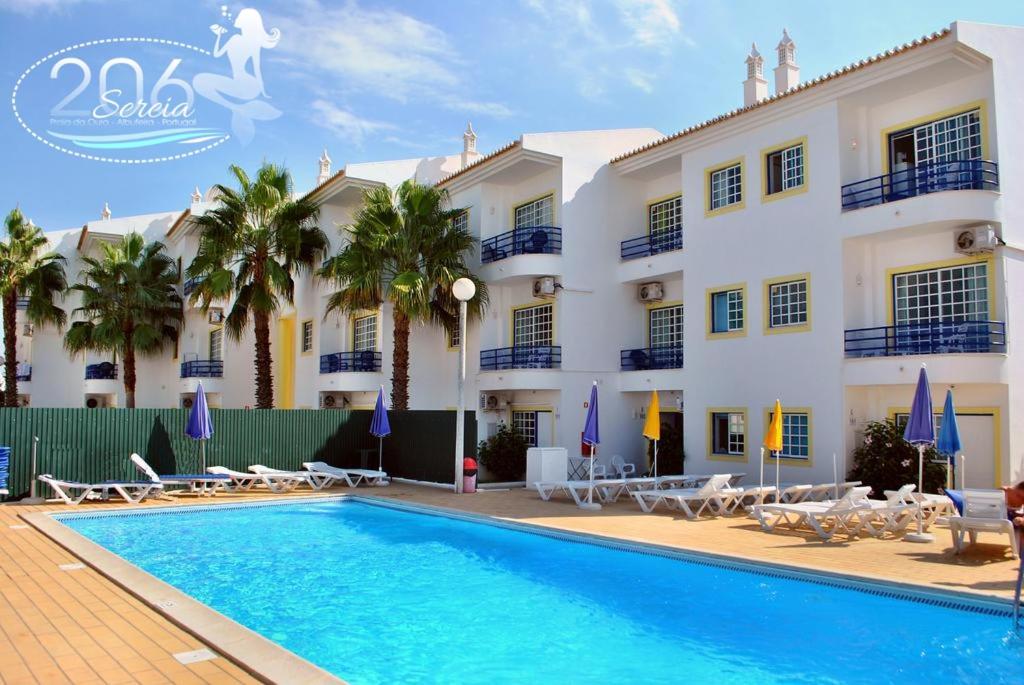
x: 377, y: 594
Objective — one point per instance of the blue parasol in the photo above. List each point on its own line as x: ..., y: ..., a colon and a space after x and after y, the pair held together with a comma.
x: 920, y: 431
x: 949, y: 438
x: 592, y: 436
x: 200, y: 424
x: 380, y: 427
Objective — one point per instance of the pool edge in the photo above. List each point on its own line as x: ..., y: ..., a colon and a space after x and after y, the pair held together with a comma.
x: 258, y: 656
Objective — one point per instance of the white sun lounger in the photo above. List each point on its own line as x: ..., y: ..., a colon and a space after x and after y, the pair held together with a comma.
x: 932, y: 506
x: 827, y: 491
x: 318, y: 480
x: 793, y: 494
x: 200, y: 483
x: 748, y: 496
x: 351, y: 477
x: 605, y: 489
x: 824, y: 518
x: 984, y: 512
x: 715, y: 496
x: 240, y: 481
x: 132, y: 491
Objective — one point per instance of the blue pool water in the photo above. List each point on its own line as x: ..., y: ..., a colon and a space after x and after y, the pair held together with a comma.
x: 378, y: 595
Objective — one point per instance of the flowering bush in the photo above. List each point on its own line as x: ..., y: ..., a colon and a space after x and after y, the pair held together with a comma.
x: 504, y: 454
x: 885, y: 461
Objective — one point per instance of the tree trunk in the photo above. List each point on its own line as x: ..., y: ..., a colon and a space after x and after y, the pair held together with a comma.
x: 10, y: 306
x: 400, y: 363
x: 264, y: 375
x: 129, y: 367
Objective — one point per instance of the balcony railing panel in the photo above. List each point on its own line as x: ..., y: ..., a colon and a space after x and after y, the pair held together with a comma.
x: 933, y: 177
x: 361, y: 360
x: 102, y: 371
x: 530, y: 240
x: 652, y: 358
x: 652, y: 244
x: 22, y: 303
x: 203, y: 368
x: 532, y: 357
x: 934, y: 337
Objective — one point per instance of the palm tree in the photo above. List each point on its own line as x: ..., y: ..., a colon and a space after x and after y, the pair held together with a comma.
x: 251, y: 245
x: 129, y: 304
x: 26, y: 271
x: 404, y: 249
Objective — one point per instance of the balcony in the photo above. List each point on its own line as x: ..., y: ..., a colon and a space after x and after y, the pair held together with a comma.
x: 651, y: 358
x: 936, y: 337
x: 203, y: 368
x: 520, y: 241
x: 362, y: 360
x: 103, y: 371
x: 189, y: 286
x: 22, y: 303
x: 922, y: 179
x: 652, y: 244
x: 532, y: 357
x: 24, y: 373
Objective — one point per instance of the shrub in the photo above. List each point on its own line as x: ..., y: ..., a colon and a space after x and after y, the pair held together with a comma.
x: 504, y: 454
x: 885, y: 461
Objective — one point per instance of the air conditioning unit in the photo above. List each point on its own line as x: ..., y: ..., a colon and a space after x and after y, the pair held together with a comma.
x: 187, y: 402
x: 544, y: 287
x: 216, y: 316
x: 975, y: 239
x: 488, y: 402
x: 93, y: 403
x: 333, y: 400
x: 651, y: 292
x: 28, y: 330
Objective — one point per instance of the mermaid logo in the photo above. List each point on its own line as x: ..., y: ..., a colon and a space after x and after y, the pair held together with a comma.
x: 125, y: 117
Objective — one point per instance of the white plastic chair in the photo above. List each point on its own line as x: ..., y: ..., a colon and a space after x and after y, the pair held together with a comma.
x: 621, y: 468
x: 984, y: 512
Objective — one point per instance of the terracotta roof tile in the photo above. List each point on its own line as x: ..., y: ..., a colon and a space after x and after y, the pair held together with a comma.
x: 831, y: 76
x: 483, y: 160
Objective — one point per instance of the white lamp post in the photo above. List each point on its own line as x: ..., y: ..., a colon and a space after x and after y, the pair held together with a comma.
x: 463, y: 289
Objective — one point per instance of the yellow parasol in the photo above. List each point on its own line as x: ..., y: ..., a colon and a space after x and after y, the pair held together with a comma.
x: 773, y: 442
x: 652, y: 427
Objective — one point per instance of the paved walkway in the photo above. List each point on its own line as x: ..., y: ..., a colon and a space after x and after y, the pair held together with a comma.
x: 76, y: 626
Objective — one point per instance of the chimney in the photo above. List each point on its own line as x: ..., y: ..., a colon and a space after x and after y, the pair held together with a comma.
x: 787, y: 74
x: 197, y: 197
x: 325, y: 169
x: 469, y: 153
x: 105, y: 214
x: 755, y: 88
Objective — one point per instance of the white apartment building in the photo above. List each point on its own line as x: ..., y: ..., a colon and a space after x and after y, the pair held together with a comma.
x: 816, y: 245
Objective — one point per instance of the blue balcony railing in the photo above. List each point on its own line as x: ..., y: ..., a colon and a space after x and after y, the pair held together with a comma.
x: 530, y: 240
x: 101, y: 372
x: 362, y: 360
x: 22, y: 303
x: 24, y: 373
x: 652, y: 244
x: 933, y: 177
x: 652, y: 358
x: 531, y: 357
x: 934, y: 337
x: 203, y: 368
x: 189, y: 286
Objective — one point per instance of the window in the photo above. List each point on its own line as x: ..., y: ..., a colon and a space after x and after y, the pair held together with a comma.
x: 532, y: 326
x: 784, y: 169
x: 461, y: 221
x: 788, y: 304
x: 953, y: 293
x: 665, y: 326
x: 525, y: 423
x: 664, y: 218
x: 796, y: 435
x: 217, y: 343
x: 727, y: 311
x: 725, y: 187
x: 364, y: 333
x: 957, y: 137
x: 307, y: 336
x: 728, y: 433
x: 536, y: 213
x: 453, y: 338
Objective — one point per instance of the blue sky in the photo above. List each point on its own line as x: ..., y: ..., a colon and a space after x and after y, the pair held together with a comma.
x: 386, y: 80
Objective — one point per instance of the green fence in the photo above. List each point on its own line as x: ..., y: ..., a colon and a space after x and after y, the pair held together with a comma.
x: 94, y: 444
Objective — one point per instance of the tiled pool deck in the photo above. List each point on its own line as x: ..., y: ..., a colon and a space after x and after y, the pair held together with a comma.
x: 74, y: 625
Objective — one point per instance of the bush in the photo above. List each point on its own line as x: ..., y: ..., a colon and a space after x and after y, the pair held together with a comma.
x: 885, y: 461
x: 504, y: 454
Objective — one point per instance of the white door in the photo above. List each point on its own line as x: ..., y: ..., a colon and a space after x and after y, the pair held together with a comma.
x: 545, y: 427
x: 977, y: 434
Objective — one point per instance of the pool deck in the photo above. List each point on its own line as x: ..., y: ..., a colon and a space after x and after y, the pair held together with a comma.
x: 76, y: 625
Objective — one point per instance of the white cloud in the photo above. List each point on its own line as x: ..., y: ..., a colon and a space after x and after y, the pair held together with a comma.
x: 640, y: 80
x: 491, y: 109
x: 344, y: 123
x: 32, y: 6
x: 652, y: 23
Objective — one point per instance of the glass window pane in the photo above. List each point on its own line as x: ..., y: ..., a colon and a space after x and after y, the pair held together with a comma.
x: 726, y: 187
x: 955, y: 294
x: 525, y: 423
x: 364, y: 333
x: 536, y: 213
x: 665, y: 326
x: 532, y: 326
x: 787, y: 304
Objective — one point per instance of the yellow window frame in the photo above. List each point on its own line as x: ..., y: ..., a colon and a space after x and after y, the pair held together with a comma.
x: 709, y: 334
x: 767, y: 310
x: 793, y: 461
x: 890, y: 276
x: 802, y: 188
x: 708, y: 172
x: 710, y: 433
x: 980, y: 105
